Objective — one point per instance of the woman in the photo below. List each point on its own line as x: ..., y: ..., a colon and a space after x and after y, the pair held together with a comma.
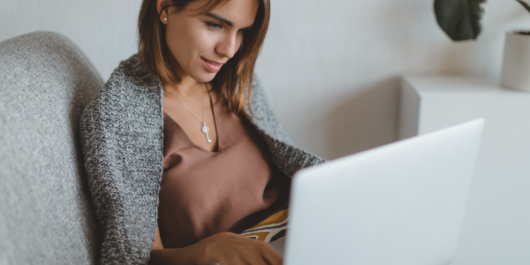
x: 182, y: 151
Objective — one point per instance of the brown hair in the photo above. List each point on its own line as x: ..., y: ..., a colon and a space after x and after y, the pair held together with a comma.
x: 237, y: 74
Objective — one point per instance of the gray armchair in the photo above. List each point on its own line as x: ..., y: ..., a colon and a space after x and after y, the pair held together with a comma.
x: 45, y: 211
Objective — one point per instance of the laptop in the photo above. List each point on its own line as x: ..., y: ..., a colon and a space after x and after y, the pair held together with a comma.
x: 401, y: 203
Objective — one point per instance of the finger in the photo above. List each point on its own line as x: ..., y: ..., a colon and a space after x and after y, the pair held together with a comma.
x: 255, y: 258
x: 271, y: 256
x: 252, y: 253
x: 238, y: 261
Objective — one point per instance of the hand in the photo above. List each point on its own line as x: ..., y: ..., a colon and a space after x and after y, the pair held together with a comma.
x: 233, y: 249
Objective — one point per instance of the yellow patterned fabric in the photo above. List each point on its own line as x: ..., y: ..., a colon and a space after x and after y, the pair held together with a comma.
x: 270, y: 229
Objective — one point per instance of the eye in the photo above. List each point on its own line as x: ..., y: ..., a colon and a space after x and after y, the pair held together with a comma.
x: 213, y: 25
x: 243, y: 31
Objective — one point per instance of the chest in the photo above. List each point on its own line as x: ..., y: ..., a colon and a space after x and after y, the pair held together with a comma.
x: 196, y: 117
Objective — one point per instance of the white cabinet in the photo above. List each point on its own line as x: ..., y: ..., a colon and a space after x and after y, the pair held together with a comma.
x: 496, y: 227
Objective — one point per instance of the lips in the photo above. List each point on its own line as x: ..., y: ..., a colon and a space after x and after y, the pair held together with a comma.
x: 212, y: 66
x: 212, y: 62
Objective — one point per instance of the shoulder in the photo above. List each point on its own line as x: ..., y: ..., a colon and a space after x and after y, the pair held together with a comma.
x: 259, y: 103
x: 129, y: 86
x: 131, y: 98
x: 286, y: 156
x: 131, y: 78
x: 263, y: 115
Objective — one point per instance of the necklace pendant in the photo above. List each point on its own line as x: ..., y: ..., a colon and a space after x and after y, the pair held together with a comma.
x: 206, y: 130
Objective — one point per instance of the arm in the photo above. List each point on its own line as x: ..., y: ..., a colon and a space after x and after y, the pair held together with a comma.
x: 123, y: 182
x: 222, y: 248
x: 159, y: 255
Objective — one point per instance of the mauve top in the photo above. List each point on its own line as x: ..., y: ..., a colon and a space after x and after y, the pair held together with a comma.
x: 204, y: 193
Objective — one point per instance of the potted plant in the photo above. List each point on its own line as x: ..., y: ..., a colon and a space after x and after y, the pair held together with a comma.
x: 460, y: 20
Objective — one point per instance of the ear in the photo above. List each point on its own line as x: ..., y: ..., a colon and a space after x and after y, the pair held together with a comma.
x: 164, y: 14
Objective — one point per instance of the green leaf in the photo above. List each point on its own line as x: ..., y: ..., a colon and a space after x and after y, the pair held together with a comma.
x: 525, y: 4
x: 460, y: 19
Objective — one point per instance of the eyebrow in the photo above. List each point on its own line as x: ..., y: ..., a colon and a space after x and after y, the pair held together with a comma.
x: 224, y: 20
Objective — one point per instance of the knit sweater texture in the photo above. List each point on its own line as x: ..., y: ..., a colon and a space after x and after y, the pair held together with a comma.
x: 122, y: 139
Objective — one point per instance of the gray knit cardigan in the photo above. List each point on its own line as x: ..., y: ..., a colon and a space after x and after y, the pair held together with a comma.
x: 122, y: 139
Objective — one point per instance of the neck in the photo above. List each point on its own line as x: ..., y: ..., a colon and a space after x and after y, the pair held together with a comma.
x: 186, y: 87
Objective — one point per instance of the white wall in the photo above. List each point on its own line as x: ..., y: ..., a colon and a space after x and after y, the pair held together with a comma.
x: 331, y: 68
x: 105, y: 30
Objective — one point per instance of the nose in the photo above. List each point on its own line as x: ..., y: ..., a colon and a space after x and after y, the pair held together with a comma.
x: 228, y: 45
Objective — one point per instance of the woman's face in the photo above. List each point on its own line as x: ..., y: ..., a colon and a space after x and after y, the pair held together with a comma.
x: 202, y: 43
